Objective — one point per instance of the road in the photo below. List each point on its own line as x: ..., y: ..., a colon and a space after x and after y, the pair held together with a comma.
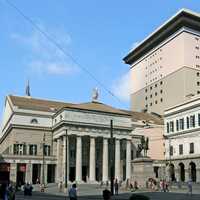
x: 125, y: 196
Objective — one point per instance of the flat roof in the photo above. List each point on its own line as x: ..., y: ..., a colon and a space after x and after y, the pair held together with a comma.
x: 183, y: 18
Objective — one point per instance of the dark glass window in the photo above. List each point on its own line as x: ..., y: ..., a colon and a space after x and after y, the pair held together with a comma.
x: 167, y: 127
x: 192, y: 147
x: 177, y: 125
x: 188, y: 122
x: 181, y: 123
x: 171, y: 125
x: 33, y: 149
x: 199, y: 119
x: 47, y: 150
x: 180, y: 149
x: 171, y: 150
x: 192, y: 121
x: 19, y: 149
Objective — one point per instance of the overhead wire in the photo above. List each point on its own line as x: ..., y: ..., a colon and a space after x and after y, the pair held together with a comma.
x: 57, y: 45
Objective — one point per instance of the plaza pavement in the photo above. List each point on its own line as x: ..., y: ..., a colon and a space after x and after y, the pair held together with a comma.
x: 94, y: 192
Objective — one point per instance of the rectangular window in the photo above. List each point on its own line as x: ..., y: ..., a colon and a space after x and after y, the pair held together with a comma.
x: 199, y: 119
x: 177, y: 125
x: 192, y: 121
x: 171, y: 151
x: 167, y: 127
x: 33, y: 149
x: 180, y: 149
x: 171, y: 125
x: 188, y: 122
x: 19, y: 149
x: 192, y: 147
x: 47, y: 150
x: 181, y: 123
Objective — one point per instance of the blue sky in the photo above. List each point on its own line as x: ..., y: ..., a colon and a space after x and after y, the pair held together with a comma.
x: 98, y: 34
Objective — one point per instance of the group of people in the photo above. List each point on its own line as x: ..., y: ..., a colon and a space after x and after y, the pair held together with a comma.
x: 7, y: 192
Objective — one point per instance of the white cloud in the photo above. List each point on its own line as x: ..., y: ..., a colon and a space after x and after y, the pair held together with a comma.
x: 43, y: 56
x: 122, y: 87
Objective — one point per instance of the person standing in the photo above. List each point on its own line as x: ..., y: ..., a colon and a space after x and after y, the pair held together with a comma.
x: 116, y: 187
x: 189, y: 184
x: 106, y: 194
x: 73, y: 192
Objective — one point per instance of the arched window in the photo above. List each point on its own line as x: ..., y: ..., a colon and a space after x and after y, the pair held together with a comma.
x: 34, y: 121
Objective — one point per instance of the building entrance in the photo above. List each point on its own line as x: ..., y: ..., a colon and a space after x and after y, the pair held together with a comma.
x: 84, y: 173
x: 50, y: 173
x: 36, y: 173
x: 21, y: 172
x: 72, y: 174
x: 4, y: 172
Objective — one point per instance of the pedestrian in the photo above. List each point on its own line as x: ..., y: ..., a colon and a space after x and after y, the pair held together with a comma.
x: 73, y: 192
x: 37, y: 180
x: 135, y: 185
x: 189, y: 184
x: 167, y: 186
x: 11, y: 193
x: 106, y: 194
x: 116, y: 187
x: 60, y: 184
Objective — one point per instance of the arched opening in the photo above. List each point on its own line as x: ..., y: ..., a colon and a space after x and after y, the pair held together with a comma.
x: 182, y: 171
x: 192, y: 170
x: 172, y: 172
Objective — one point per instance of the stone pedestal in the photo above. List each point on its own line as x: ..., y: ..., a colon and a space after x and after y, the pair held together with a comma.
x: 142, y: 170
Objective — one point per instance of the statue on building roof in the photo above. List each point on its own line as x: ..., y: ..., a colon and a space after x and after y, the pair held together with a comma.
x: 95, y: 94
x: 28, y: 93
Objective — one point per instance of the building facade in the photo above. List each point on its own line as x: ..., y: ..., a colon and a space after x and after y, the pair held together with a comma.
x: 182, y: 133
x: 165, y: 66
x: 41, y: 139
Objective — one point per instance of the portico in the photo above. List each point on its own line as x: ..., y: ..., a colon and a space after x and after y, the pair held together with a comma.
x: 89, y: 145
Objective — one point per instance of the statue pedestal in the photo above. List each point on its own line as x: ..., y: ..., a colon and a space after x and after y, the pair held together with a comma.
x: 142, y: 170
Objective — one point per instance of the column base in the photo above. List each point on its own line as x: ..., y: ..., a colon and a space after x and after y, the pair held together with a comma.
x: 92, y: 182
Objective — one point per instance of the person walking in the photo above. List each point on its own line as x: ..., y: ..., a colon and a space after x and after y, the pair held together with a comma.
x: 189, y: 184
x: 106, y: 194
x: 73, y: 192
x: 116, y: 187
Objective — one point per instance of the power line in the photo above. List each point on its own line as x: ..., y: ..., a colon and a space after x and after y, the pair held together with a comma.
x: 67, y: 54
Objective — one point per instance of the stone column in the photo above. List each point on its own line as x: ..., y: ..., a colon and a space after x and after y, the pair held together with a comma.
x: 78, y: 159
x: 13, y: 172
x: 187, y: 175
x: 58, y: 165
x: 105, y: 160
x: 177, y: 174
x: 29, y: 170
x: 198, y: 175
x: 128, y: 159
x: 117, y: 159
x: 63, y: 159
x: 45, y: 173
x: 92, y: 166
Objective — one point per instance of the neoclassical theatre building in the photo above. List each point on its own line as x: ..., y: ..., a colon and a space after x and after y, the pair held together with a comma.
x: 42, y: 139
x: 33, y: 142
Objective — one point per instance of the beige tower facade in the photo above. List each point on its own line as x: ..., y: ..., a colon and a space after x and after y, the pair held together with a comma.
x: 165, y: 67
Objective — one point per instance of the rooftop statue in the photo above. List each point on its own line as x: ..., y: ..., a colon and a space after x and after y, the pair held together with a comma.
x: 95, y: 94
